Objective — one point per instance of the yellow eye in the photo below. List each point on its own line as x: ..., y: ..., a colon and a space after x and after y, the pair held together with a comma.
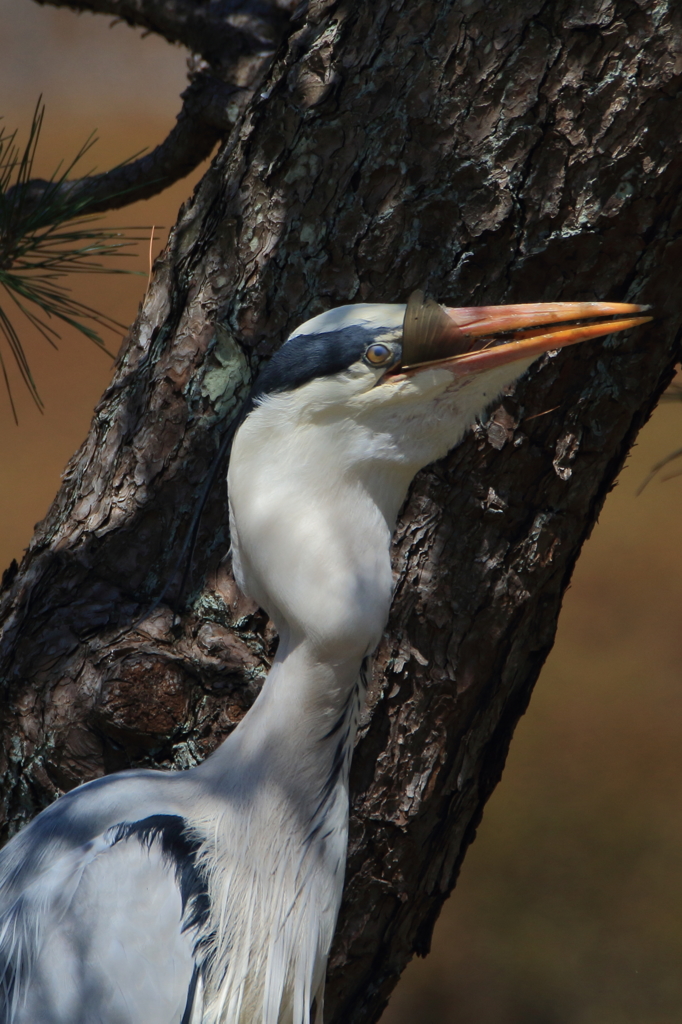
x: 377, y: 354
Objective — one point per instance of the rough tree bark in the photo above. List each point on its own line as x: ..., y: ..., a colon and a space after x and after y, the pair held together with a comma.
x: 489, y: 152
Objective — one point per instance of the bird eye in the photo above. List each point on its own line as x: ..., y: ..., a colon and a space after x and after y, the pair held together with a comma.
x: 377, y: 355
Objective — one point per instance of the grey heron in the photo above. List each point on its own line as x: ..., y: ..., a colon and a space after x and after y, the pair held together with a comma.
x: 210, y: 896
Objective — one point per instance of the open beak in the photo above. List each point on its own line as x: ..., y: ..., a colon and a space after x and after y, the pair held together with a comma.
x: 471, y: 339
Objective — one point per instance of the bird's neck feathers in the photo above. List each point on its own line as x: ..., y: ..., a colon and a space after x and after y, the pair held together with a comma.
x: 316, y: 479
x: 311, y: 516
x: 313, y: 502
x: 317, y: 476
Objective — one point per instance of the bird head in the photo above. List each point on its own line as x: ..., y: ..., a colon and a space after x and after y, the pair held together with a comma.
x: 340, y: 420
x: 419, y: 373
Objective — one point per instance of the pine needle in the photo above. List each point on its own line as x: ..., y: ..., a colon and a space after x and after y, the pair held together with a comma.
x: 673, y: 394
x: 677, y: 454
x: 44, y: 237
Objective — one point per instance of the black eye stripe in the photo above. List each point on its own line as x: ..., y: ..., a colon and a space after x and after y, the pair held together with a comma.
x: 305, y: 357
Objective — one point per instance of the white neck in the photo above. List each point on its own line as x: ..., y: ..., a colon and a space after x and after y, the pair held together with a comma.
x: 311, y: 545
x: 311, y: 528
x: 317, y: 477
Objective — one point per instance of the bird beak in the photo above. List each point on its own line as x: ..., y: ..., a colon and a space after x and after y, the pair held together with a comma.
x: 467, y: 340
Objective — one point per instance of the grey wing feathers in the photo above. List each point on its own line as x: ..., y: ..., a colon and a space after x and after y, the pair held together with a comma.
x: 103, y: 933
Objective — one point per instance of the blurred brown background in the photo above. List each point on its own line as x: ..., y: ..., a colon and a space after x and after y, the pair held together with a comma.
x: 569, y: 907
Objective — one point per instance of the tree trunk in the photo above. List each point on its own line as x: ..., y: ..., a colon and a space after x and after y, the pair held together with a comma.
x: 489, y: 152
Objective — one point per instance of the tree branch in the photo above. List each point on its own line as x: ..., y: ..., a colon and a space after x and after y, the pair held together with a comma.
x: 236, y: 40
x: 220, y: 30
x: 210, y: 108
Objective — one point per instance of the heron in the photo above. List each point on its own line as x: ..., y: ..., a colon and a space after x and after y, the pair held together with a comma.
x: 210, y: 896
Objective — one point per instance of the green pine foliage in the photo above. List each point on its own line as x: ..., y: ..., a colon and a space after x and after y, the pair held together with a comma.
x: 45, y: 236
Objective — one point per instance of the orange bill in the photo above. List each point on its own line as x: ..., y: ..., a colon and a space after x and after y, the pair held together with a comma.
x: 472, y: 339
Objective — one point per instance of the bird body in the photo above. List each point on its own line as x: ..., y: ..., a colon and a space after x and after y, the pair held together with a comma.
x: 210, y: 896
